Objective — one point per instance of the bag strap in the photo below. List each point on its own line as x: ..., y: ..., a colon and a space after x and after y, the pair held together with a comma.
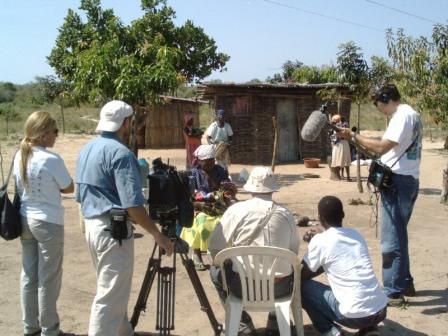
x: 412, y: 143
x: 260, y: 226
x: 5, y: 186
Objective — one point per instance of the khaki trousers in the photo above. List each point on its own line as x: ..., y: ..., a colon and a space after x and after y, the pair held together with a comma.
x: 114, y: 266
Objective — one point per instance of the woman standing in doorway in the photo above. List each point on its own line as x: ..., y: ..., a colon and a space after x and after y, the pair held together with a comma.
x: 41, y: 177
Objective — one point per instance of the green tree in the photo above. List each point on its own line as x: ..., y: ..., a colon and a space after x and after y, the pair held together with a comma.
x: 9, y: 113
x: 286, y: 76
x: 103, y: 58
x: 7, y: 92
x: 354, y: 71
x: 421, y: 67
x: 58, y: 92
x: 315, y: 74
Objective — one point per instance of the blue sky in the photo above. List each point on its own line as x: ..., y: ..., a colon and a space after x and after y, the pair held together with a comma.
x: 259, y: 35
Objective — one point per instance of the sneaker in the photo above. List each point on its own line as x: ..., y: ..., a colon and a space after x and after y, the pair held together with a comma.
x: 369, y: 331
x: 272, y: 326
x: 246, y: 327
x: 395, y: 300
x: 37, y: 333
x: 410, y: 290
x: 333, y: 332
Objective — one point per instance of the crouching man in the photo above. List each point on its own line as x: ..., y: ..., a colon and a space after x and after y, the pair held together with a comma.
x: 354, y: 298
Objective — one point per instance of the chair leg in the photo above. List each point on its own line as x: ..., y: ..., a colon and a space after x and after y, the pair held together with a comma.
x: 282, y: 313
x: 233, y: 316
x: 296, y: 307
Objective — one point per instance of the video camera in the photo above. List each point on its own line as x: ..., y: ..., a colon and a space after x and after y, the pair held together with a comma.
x: 169, y: 195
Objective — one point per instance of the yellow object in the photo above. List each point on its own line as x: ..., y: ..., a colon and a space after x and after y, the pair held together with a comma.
x: 199, y: 234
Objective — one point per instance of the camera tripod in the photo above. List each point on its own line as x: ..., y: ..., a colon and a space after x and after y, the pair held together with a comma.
x: 166, y: 281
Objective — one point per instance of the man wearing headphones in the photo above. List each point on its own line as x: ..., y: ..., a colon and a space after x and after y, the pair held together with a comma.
x: 400, y: 149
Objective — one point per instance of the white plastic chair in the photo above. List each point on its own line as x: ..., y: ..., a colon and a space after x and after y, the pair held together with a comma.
x: 257, y: 268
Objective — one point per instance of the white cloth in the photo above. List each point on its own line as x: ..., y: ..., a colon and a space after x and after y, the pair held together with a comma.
x: 47, y: 175
x: 343, y: 254
x: 114, y: 266
x: 204, y: 152
x: 403, y: 128
x: 340, y: 154
x: 219, y: 134
x: 241, y: 219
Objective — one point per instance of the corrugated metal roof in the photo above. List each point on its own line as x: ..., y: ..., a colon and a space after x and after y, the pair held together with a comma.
x: 184, y: 99
x: 275, y: 86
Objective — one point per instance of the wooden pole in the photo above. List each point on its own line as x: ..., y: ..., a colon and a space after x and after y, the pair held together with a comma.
x: 358, y: 160
x: 444, y: 195
x: 274, y: 150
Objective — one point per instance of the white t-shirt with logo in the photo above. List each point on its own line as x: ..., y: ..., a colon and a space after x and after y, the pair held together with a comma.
x: 47, y: 175
x: 219, y: 134
x: 343, y: 254
x: 404, y: 127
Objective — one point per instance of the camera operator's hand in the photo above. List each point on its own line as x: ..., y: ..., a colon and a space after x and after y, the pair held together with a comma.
x: 139, y: 216
x: 164, y: 243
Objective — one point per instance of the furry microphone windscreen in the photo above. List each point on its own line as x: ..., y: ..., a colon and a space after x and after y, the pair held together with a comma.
x: 313, y: 126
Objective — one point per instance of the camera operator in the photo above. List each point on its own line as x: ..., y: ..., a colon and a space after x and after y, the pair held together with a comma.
x: 109, y: 189
x: 400, y: 149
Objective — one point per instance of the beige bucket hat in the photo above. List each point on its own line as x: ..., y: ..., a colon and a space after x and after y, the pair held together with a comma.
x: 261, y: 180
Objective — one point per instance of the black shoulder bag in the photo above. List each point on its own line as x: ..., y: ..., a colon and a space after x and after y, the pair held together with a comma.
x: 10, y: 224
x: 380, y: 175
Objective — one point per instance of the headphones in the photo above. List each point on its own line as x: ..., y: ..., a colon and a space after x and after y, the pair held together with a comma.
x: 381, y: 95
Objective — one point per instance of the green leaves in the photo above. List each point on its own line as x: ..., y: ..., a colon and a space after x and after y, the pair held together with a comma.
x: 104, y: 59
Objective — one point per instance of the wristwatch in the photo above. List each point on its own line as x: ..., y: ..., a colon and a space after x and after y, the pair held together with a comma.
x: 353, y: 138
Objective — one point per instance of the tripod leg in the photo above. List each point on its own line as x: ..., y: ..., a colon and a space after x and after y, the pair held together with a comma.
x: 140, y: 305
x: 203, y: 300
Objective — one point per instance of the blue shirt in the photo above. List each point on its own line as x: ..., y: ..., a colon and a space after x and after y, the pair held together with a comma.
x: 108, y: 176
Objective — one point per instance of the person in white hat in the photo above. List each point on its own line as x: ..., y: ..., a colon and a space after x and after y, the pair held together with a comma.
x: 259, y: 221
x: 207, y: 177
x: 108, y: 179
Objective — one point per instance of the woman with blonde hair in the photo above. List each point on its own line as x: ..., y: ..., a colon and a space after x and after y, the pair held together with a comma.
x: 41, y: 177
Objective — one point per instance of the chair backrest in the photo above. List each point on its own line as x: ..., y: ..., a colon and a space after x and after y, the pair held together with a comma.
x: 257, y: 266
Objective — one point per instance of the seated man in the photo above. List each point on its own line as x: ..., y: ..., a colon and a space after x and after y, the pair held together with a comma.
x: 354, y: 298
x: 255, y: 222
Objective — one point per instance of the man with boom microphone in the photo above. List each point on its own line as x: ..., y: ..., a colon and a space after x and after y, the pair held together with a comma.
x: 110, y: 192
x: 400, y: 149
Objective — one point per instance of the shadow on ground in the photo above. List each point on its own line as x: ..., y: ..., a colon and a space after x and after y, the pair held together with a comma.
x: 430, y: 191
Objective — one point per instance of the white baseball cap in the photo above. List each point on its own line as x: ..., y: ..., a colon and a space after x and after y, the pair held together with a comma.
x: 112, y: 115
x: 261, y: 180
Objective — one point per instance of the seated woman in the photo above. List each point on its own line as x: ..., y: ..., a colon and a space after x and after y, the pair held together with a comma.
x: 213, y: 193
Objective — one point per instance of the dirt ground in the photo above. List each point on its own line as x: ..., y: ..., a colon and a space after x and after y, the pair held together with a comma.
x: 425, y: 314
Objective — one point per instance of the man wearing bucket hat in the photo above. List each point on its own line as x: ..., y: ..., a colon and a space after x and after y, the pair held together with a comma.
x: 108, y: 181
x: 257, y: 221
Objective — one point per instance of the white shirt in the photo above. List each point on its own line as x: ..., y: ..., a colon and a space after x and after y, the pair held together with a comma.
x: 240, y: 220
x: 404, y: 127
x: 47, y: 175
x: 219, y: 134
x: 343, y: 254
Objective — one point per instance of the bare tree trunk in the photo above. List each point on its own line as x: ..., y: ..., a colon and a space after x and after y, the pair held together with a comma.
x: 274, y: 150
x: 358, y: 160
x: 61, y: 107
x: 446, y: 143
x: 429, y: 126
x: 444, y: 196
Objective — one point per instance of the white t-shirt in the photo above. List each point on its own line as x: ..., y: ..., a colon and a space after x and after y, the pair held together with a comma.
x: 47, y: 175
x: 404, y: 127
x: 343, y: 254
x: 219, y: 134
x: 240, y: 220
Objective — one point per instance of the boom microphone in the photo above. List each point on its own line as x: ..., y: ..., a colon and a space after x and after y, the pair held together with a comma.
x: 314, y: 124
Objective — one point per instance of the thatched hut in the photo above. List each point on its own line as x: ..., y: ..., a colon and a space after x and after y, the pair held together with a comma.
x: 250, y: 110
x: 161, y: 126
